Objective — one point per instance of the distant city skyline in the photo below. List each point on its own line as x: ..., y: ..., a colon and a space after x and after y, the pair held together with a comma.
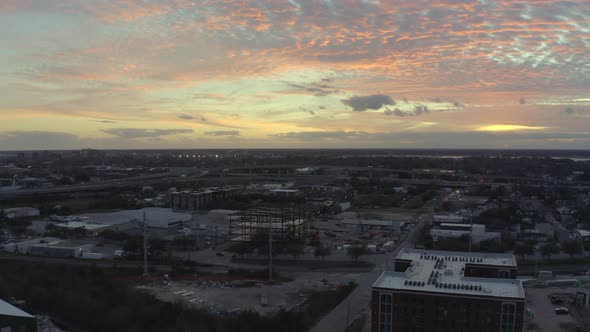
x: 294, y: 74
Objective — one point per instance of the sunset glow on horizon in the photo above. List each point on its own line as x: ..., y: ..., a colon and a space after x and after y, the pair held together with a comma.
x: 294, y: 74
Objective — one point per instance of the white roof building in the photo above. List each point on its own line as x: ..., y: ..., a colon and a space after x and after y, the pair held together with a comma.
x: 443, y: 272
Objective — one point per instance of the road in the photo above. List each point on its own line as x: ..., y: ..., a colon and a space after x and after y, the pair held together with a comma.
x: 358, y: 301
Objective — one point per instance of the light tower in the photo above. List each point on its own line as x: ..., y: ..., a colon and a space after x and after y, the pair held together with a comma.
x: 145, y: 247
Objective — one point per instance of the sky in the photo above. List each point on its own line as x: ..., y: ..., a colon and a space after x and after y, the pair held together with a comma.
x: 148, y: 74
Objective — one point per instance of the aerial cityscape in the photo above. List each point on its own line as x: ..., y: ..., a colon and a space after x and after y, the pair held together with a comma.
x: 294, y: 165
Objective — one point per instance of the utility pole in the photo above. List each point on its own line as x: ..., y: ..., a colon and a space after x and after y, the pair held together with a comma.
x: 470, y: 230
x: 196, y: 228
x: 216, y: 228
x: 269, y: 250
x: 145, y: 247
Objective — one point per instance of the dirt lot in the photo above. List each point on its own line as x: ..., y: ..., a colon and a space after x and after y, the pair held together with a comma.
x: 219, y: 296
x: 544, y: 316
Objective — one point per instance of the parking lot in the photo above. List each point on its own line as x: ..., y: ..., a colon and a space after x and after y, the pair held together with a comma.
x: 544, y: 318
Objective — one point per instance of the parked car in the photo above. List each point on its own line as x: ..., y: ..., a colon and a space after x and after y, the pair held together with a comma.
x: 219, y: 254
x: 557, y: 299
x: 562, y: 311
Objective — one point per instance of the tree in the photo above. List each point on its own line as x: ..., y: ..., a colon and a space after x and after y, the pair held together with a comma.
x: 134, y: 245
x: 110, y: 234
x: 295, y: 248
x: 357, y: 251
x: 241, y: 248
x: 523, y: 250
x: 322, y: 251
x: 549, y: 249
x: 583, y: 216
x: 156, y: 246
x: 571, y: 247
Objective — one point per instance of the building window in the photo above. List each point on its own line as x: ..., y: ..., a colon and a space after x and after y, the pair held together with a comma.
x: 507, y: 320
x: 385, y: 313
x: 504, y: 274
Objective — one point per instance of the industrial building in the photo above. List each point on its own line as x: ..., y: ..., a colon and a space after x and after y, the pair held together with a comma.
x: 13, y: 319
x: 21, y: 212
x: 199, y: 199
x: 286, y: 223
x: 50, y: 247
x: 448, y: 291
x: 477, y: 232
x: 438, y: 219
x: 95, y: 222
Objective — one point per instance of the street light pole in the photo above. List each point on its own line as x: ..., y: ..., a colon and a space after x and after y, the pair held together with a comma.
x: 269, y: 251
x: 470, y: 230
x: 145, y: 247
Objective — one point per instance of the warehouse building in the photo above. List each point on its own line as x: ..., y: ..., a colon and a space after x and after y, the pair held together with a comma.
x: 477, y: 232
x: 199, y: 199
x: 21, y: 212
x: 447, y: 219
x: 50, y: 247
x: 448, y: 291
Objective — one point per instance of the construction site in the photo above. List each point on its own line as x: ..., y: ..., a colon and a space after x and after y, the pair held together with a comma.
x: 278, y: 223
x: 220, y: 294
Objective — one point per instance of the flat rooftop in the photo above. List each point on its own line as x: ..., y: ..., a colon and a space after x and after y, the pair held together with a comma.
x: 86, y: 225
x: 443, y: 272
x: 204, y: 191
x: 480, y: 258
x: 10, y: 310
x: 125, y: 216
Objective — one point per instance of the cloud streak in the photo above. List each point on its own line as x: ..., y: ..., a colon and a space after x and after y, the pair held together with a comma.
x: 223, y: 133
x: 133, y: 133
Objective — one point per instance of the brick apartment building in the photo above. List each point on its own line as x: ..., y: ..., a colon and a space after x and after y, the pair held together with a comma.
x: 448, y: 291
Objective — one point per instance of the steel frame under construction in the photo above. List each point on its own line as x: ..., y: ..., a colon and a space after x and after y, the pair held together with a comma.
x: 287, y: 222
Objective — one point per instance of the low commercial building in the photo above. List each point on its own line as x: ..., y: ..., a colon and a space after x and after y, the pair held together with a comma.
x: 21, y: 212
x: 199, y: 199
x: 13, y: 319
x: 447, y: 219
x: 49, y: 247
x: 364, y: 225
x: 477, y: 232
x: 285, y: 192
x: 448, y: 291
x: 119, y: 220
x: 62, y: 249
